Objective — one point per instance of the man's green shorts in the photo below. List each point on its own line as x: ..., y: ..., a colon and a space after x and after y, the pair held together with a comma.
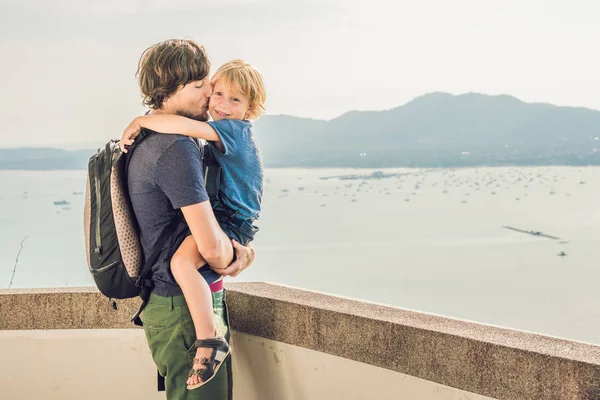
x: 170, y: 333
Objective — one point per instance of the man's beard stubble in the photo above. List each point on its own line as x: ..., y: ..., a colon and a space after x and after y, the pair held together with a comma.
x: 198, y: 117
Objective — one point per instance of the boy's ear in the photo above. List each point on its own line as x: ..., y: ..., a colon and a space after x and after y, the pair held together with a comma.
x: 249, y: 111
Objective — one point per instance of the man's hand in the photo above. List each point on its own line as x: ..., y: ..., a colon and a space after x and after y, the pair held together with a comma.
x: 244, y: 256
x: 129, y: 135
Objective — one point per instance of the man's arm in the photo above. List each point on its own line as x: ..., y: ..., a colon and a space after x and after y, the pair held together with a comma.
x: 213, y: 244
x: 179, y: 174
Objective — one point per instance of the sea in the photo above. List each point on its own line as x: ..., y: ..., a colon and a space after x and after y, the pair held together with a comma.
x: 517, y: 247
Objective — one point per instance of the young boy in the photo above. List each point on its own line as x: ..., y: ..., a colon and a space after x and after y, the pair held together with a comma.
x: 238, y: 96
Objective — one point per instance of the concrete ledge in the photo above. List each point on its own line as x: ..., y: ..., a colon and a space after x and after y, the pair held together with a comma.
x: 486, y: 360
x: 490, y: 361
x: 63, y: 308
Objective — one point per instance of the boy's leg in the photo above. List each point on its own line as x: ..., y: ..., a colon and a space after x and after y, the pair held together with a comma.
x: 197, y: 295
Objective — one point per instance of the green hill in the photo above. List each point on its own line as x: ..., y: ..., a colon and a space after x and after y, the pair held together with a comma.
x: 434, y: 130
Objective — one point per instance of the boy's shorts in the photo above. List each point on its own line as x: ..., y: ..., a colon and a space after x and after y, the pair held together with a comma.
x: 242, y: 230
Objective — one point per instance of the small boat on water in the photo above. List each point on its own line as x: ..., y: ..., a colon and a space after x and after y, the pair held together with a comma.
x: 61, y: 203
x: 531, y: 232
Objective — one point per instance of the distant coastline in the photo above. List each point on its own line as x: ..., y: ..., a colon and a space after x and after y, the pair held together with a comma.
x: 437, y: 130
x: 80, y: 163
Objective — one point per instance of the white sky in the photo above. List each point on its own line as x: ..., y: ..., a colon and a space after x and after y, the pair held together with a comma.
x: 67, y: 69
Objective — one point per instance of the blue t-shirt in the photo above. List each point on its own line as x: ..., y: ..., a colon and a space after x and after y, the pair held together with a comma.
x: 165, y: 173
x: 241, y: 185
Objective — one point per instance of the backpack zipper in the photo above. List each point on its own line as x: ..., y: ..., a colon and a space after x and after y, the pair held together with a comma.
x: 98, y: 249
x: 105, y: 268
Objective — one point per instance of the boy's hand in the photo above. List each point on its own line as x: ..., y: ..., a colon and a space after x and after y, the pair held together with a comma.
x: 244, y: 256
x: 129, y: 135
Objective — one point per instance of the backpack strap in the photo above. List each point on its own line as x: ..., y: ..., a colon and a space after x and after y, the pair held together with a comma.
x: 144, y: 133
x: 212, y: 175
x: 212, y: 171
x: 160, y: 386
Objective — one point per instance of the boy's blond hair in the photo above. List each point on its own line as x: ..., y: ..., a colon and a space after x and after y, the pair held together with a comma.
x: 246, y: 79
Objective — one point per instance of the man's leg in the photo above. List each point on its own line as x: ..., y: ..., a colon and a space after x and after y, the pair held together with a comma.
x: 218, y: 388
x: 222, y: 317
x: 171, y: 335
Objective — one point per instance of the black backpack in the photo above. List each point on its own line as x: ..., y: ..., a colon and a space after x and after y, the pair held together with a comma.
x: 113, y: 249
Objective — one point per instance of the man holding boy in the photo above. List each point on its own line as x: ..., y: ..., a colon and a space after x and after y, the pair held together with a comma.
x: 166, y: 175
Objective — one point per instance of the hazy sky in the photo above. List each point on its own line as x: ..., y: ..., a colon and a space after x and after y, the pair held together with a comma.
x: 67, y: 70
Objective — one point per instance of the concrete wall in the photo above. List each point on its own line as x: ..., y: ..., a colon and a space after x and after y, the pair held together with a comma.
x: 116, y: 364
x: 269, y: 370
x: 296, y: 344
x: 76, y: 364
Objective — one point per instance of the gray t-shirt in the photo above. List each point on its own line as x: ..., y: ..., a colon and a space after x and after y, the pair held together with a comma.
x: 165, y: 174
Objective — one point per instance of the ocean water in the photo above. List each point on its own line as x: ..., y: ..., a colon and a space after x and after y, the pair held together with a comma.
x: 428, y: 240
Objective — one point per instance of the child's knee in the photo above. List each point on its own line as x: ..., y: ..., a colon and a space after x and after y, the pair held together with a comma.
x: 178, y: 262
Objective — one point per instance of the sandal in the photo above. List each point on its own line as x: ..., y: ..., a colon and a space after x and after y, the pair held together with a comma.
x: 220, y: 352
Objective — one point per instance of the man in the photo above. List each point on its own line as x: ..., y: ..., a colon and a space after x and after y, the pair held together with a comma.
x: 165, y: 175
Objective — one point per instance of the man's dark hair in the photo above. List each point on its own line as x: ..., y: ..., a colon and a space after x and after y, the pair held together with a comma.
x: 169, y: 65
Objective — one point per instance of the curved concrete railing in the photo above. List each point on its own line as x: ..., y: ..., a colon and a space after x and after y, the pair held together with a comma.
x: 293, y: 344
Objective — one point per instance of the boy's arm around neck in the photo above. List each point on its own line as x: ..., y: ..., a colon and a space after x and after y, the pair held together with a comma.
x: 178, y: 125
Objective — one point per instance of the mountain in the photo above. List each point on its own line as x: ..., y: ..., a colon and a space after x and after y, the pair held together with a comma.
x: 39, y: 158
x: 433, y: 130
